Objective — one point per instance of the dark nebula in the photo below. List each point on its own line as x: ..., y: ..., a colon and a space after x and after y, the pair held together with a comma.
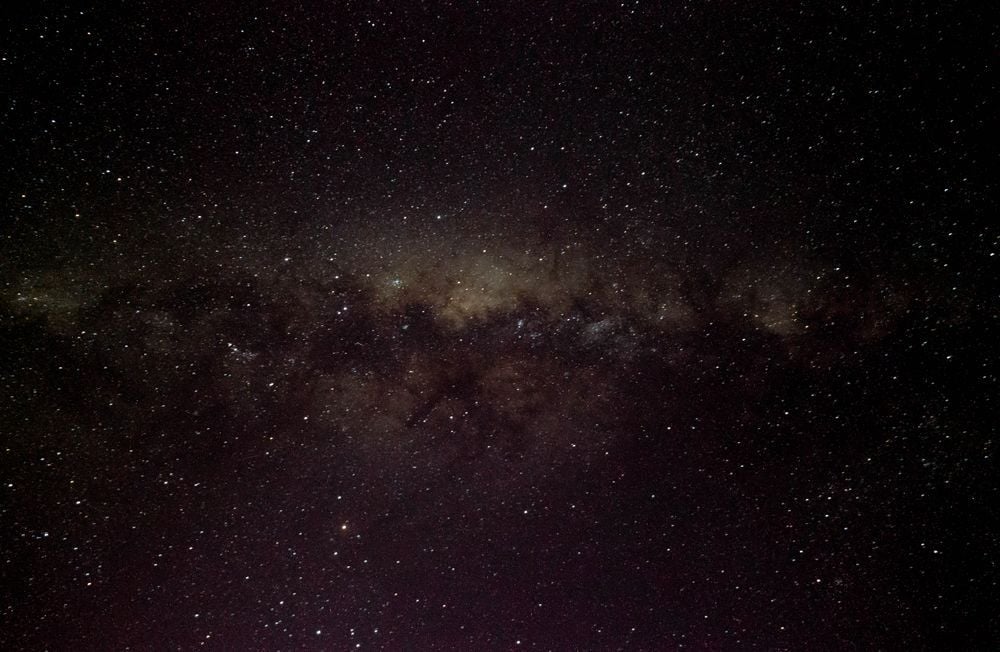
x: 460, y: 326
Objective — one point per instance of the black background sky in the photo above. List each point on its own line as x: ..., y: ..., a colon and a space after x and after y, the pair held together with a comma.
x: 498, y: 325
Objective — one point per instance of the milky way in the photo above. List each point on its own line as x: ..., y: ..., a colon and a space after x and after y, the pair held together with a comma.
x: 497, y: 328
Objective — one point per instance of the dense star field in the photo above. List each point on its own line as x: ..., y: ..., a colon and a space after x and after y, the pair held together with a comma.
x: 473, y: 326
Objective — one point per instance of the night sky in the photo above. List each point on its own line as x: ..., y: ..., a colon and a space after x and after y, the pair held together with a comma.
x: 499, y: 325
